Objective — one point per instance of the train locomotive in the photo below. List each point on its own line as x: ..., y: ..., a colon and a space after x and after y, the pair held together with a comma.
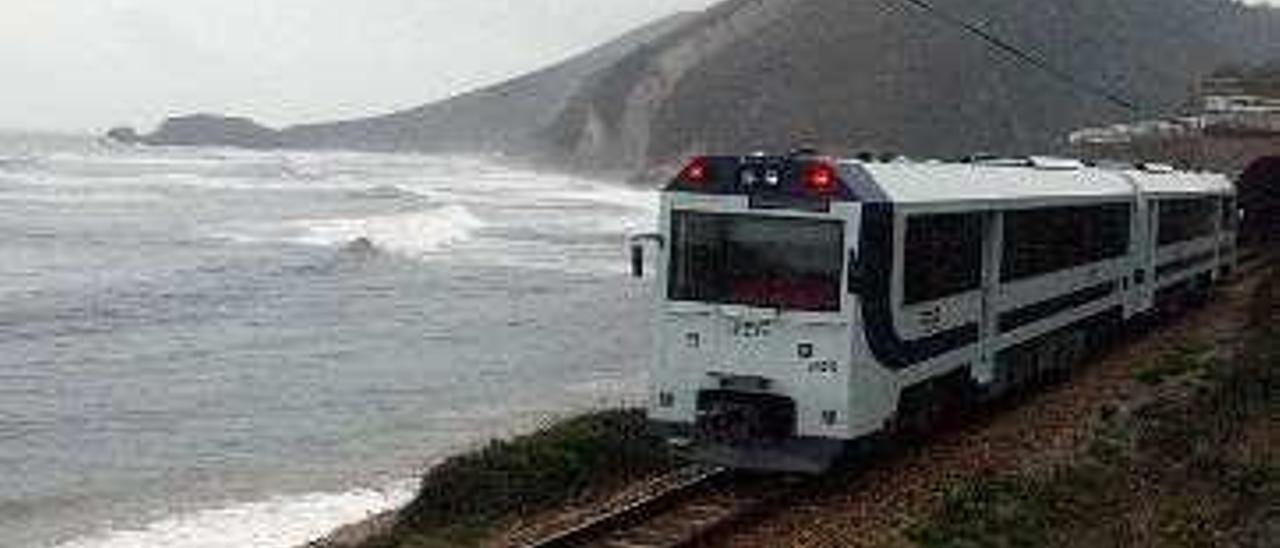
x: 802, y: 302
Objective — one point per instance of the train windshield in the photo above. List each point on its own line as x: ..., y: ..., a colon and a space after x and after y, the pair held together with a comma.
x: 770, y: 262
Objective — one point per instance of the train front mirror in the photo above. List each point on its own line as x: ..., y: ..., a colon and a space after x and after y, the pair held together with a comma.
x: 855, y: 273
x: 637, y: 251
x: 637, y: 260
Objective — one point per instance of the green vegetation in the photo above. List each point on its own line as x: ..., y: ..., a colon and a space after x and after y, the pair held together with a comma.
x: 468, y: 497
x: 1005, y: 511
x: 1194, y: 467
x: 1195, y: 356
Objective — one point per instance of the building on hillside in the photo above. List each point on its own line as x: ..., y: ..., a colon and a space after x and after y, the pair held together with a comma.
x: 1237, y: 131
x: 1230, y: 106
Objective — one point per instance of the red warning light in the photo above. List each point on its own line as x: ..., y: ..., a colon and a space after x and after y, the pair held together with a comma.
x: 698, y: 171
x: 820, y: 178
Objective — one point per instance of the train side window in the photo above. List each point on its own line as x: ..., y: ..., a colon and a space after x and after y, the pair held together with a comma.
x: 1230, y: 218
x: 1044, y: 240
x: 942, y: 256
x: 1185, y: 219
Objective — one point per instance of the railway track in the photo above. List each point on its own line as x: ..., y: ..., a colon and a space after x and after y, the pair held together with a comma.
x: 683, y: 508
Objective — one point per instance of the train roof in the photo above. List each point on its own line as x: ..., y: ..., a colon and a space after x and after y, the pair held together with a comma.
x: 1033, y: 181
x: 1170, y: 182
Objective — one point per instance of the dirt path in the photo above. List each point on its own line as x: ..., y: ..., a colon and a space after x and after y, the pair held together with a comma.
x: 875, y: 507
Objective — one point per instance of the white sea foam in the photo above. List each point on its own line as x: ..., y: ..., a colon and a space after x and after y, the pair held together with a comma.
x: 281, y: 522
x: 80, y: 197
x: 413, y: 235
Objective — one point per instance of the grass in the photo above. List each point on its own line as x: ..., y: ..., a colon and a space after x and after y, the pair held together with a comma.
x: 1002, y: 512
x: 1176, y: 472
x: 1194, y: 356
x: 467, y: 498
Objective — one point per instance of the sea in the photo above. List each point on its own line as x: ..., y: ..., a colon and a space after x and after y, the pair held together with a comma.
x: 208, y: 348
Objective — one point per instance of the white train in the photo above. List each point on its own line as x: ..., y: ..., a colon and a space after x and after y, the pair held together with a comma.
x: 802, y: 302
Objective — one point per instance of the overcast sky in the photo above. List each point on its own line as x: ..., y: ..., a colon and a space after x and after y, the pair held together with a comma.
x: 77, y: 65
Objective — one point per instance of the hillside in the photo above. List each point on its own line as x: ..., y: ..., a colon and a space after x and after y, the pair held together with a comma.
x: 498, y: 118
x: 886, y: 75
x: 501, y: 118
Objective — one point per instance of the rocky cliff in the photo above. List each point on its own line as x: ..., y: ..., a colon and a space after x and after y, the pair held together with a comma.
x: 889, y: 75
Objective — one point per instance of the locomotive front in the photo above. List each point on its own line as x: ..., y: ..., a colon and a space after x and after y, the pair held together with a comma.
x: 754, y: 319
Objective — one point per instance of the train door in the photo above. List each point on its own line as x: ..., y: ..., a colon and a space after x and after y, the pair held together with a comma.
x: 993, y: 244
x: 1142, y: 277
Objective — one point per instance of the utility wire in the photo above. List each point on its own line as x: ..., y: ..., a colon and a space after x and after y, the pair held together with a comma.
x: 1031, y: 58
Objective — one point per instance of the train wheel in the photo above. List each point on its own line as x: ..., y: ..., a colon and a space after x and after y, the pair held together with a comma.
x: 932, y: 404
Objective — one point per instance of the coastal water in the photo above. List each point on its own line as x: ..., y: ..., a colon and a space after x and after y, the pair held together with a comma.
x: 218, y: 348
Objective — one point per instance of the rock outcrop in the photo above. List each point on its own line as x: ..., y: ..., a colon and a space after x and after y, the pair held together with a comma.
x: 213, y: 130
x: 125, y: 135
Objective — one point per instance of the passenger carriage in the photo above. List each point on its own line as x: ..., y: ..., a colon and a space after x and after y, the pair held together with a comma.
x: 802, y: 302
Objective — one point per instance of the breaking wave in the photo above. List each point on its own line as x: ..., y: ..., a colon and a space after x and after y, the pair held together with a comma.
x: 280, y: 522
x: 413, y: 235
x: 387, y: 193
x: 17, y: 163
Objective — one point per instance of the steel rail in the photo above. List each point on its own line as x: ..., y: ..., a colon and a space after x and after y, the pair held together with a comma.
x: 678, y: 485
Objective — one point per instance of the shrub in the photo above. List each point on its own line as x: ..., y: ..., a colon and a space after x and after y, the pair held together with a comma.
x: 463, y: 498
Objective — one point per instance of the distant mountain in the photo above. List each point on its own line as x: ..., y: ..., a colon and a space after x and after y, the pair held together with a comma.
x: 500, y: 118
x: 886, y: 75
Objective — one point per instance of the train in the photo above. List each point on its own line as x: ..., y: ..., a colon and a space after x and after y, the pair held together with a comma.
x: 803, y: 302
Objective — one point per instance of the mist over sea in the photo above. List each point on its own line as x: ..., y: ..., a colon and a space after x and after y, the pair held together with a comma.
x: 221, y: 348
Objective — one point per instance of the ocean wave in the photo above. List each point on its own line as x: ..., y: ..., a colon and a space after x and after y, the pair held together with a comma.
x: 386, y: 192
x: 413, y: 235
x: 15, y: 164
x: 611, y: 195
x: 280, y: 522
x: 79, y: 198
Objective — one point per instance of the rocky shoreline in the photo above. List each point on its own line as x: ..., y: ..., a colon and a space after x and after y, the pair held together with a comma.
x: 355, y: 535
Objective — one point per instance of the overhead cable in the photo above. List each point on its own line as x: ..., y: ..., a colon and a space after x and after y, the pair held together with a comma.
x: 1029, y: 57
